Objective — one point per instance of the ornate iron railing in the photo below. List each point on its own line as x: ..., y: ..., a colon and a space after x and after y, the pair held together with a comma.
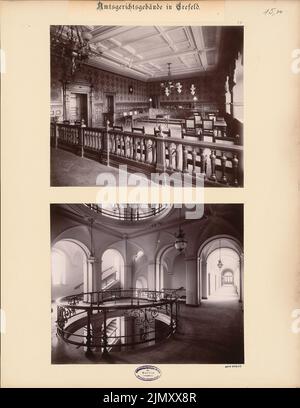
x: 82, y: 319
x: 129, y: 212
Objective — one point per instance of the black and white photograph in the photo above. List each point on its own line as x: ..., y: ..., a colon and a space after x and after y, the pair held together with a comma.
x: 146, y: 101
x: 147, y: 283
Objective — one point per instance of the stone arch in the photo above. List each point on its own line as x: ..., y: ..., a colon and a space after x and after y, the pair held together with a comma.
x: 77, y: 276
x: 112, y: 268
x: 205, y: 250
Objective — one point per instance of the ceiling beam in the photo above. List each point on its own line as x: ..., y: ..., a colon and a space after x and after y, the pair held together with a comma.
x: 148, y: 36
x: 106, y: 32
x: 166, y: 38
x: 168, y: 56
x: 198, y: 42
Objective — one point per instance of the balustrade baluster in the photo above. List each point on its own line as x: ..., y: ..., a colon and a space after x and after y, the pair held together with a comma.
x: 147, y: 147
x: 142, y: 149
x: 194, y: 158
x: 223, y: 166
x: 128, y: 151
x: 131, y: 150
x: 171, y: 151
x: 116, y: 143
x: 177, y: 157
x: 135, y: 148
x: 202, y: 161
x: 235, y: 165
x: 213, y: 176
x: 121, y: 145
x: 81, y: 143
x: 184, y: 159
x: 125, y: 145
x: 153, y: 151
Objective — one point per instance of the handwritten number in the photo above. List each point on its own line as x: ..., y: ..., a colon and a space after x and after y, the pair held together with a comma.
x: 273, y: 11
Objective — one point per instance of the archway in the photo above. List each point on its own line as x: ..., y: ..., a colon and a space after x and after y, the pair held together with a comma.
x: 112, y: 269
x: 171, y: 271
x: 164, y: 267
x: 70, y: 270
x: 220, y: 260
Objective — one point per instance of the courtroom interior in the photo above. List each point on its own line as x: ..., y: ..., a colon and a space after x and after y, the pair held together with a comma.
x: 156, y: 99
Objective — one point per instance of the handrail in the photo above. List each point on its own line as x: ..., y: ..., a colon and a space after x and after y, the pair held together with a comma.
x: 150, y: 305
x: 200, y: 143
x: 132, y: 216
x: 98, y: 302
x: 155, y: 153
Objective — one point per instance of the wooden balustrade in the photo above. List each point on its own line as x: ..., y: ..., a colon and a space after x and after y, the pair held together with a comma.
x: 219, y: 163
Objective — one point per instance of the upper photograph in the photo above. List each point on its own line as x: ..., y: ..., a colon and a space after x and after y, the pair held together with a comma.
x: 147, y: 104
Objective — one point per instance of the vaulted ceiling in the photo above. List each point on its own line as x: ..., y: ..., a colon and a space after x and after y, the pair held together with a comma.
x: 143, y: 52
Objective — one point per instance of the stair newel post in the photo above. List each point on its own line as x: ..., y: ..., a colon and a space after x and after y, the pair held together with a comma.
x: 106, y: 142
x: 81, y: 141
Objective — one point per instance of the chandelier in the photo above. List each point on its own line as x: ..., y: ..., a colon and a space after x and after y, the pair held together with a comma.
x: 193, y: 89
x: 168, y: 86
x: 70, y: 45
x: 180, y: 242
x: 92, y: 258
x: 220, y: 263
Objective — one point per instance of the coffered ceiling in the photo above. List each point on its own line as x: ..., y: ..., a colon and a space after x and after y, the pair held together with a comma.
x: 143, y: 52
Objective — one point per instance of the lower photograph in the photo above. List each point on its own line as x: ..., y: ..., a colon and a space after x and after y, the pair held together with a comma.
x: 147, y: 283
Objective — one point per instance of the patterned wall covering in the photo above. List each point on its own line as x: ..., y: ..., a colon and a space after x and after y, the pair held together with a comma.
x: 207, y: 90
x: 103, y: 82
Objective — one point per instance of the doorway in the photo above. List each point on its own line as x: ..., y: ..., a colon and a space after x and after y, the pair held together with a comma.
x: 78, y: 107
x: 110, y: 104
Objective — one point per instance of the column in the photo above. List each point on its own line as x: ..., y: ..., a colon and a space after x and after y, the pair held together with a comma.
x: 127, y: 265
x: 204, y: 278
x: 191, y: 281
x: 151, y: 275
x: 90, y: 281
x: 128, y: 277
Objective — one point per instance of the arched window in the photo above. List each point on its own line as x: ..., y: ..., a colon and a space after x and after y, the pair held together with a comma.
x: 58, y: 267
x: 70, y: 272
x: 112, y: 268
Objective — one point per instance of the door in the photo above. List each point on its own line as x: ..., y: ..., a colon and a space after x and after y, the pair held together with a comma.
x: 110, y: 108
x: 78, y: 107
